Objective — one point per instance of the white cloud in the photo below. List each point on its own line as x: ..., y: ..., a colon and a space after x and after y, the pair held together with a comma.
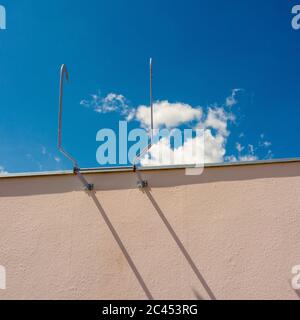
x: 44, y: 150
x: 231, y: 158
x: 251, y: 149
x: 210, y: 150
x: 249, y: 155
x: 111, y: 103
x: 243, y: 158
x: 215, y: 121
x: 215, y: 147
x: 162, y: 154
x: 45, y: 160
x: 263, y: 142
x: 267, y: 144
x: 215, y: 129
x: 218, y: 118
x: 2, y: 171
x: 269, y: 155
x: 168, y: 114
x: 239, y: 147
x: 57, y: 159
x: 231, y: 100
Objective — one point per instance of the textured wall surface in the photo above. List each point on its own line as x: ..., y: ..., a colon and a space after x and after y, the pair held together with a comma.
x: 231, y: 233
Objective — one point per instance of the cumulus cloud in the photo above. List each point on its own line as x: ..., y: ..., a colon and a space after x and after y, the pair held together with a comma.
x: 263, y: 142
x: 266, y: 144
x: 231, y: 100
x: 168, y: 114
x: 215, y: 122
x: 239, y: 147
x: 161, y: 153
x: 269, y: 155
x: 218, y: 119
x: 215, y: 147
x: 247, y: 158
x: 231, y: 158
x: 44, y: 159
x: 210, y: 149
x: 111, y: 103
x: 245, y: 153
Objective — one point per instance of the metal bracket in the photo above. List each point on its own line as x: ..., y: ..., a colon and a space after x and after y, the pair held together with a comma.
x: 142, y: 184
x: 87, y: 186
x: 76, y: 169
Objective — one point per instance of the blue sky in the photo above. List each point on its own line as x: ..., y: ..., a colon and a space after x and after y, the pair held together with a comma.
x: 202, y: 51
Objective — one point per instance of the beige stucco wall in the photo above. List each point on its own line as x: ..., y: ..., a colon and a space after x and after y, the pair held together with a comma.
x: 232, y: 233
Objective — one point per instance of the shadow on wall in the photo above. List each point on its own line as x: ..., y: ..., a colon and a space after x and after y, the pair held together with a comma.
x: 28, y: 186
x: 122, y: 247
x: 181, y: 248
x: 173, y: 235
x: 197, y: 295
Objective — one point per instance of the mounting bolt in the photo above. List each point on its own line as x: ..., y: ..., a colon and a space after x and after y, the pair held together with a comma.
x: 89, y: 187
x: 76, y: 170
x: 142, y: 184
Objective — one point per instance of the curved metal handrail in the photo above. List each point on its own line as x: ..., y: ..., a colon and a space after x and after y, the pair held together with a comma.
x: 64, y: 73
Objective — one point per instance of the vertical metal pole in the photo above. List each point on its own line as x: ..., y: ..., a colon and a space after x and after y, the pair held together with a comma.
x: 63, y: 72
x: 151, y: 98
x: 142, y: 183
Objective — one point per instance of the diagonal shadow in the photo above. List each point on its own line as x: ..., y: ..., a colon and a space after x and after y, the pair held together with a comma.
x: 180, y: 245
x: 122, y: 247
x: 197, y: 295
